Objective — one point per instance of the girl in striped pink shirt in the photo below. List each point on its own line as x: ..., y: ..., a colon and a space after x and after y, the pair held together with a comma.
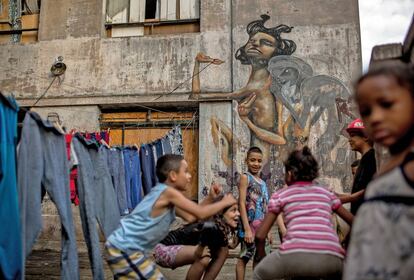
x: 311, y: 246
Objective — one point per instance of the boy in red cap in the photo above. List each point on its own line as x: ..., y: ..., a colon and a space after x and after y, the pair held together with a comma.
x: 359, y: 142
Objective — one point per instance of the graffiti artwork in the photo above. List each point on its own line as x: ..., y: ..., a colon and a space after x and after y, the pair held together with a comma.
x: 284, y: 105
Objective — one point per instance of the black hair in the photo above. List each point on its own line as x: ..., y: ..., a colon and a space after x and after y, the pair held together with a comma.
x: 166, y: 164
x: 402, y: 73
x: 302, y: 164
x: 283, y: 46
x: 363, y: 135
x: 355, y: 163
x: 254, y: 149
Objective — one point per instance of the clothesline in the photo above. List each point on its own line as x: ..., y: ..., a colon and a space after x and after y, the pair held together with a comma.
x: 109, y: 184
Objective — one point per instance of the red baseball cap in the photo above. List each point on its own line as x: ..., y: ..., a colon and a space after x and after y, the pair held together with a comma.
x: 356, y: 126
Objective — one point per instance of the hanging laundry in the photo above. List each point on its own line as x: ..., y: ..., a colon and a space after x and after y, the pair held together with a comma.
x: 166, y: 146
x: 158, y: 148
x: 154, y: 158
x: 148, y: 167
x: 98, y: 203
x: 42, y: 162
x: 11, y: 260
x: 133, y: 178
x: 115, y: 160
x: 176, y: 140
x: 73, y: 162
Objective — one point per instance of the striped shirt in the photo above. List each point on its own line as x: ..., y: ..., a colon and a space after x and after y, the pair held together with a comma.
x: 307, y: 210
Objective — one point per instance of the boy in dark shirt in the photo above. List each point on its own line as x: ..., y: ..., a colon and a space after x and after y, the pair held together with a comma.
x: 359, y: 142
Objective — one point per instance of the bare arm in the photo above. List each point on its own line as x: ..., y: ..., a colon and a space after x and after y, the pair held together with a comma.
x: 196, y: 85
x: 345, y: 215
x: 281, y: 225
x: 248, y: 236
x: 199, y: 211
x: 236, y: 95
x: 261, y: 234
x: 345, y: 198
x: 215, y: 190
x: 265, y: 135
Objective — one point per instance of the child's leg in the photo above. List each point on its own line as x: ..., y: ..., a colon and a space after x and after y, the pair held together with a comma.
x: 247, y: 251
x: 132, y: 266
x: 268, y: 248
x: 166, y: 256
x: 240, y: 268
x: 201, y: 261
x: 216, y: 263
x: 189, y: 254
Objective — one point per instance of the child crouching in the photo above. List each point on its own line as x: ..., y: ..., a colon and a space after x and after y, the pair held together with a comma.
x: 129, y: 245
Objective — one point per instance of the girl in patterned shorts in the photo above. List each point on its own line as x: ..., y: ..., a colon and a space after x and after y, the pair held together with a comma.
x: 204, y: 245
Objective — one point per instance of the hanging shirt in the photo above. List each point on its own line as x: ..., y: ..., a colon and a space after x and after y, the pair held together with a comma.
x: 139, y: 231
x: 307, y: 209
x: 382, y: 240
x: 11, y: 259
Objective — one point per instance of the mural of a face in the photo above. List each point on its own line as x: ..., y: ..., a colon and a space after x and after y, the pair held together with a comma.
x: 261, y: 46
x: 283, y: 106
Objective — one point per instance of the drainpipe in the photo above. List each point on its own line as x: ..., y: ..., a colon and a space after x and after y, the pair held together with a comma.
x: 15, y: 16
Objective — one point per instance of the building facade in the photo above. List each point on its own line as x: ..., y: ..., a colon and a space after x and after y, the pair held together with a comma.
x: 282, y: 76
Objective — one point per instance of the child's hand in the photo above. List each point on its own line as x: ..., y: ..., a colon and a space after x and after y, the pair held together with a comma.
x: 248, y: 236
x: 270, y: 238
x: 215, y: 191
x: 229, y: 199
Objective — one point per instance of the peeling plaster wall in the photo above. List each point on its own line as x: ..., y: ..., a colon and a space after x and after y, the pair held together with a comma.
x: 326, y: 34
x: 99, y: 66
x: 134, y: 69
x: 80, y: 118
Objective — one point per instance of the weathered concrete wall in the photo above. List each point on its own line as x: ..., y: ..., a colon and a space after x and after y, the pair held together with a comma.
x: 302, y: 93
x: 99, y: 66
x: 80, y: 118
x: 65, y: 19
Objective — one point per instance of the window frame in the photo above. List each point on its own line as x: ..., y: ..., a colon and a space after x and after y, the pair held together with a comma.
x: 151, y: 21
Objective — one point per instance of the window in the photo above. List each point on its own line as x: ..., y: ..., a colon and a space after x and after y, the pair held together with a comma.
x: 30, y: 7
x: 148, y: 17
x: 19, y: 20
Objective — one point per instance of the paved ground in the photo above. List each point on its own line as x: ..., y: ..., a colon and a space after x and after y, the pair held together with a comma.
x: 45, y: 264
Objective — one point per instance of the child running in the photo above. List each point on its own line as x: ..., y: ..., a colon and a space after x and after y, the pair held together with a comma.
x: 204, y: 245
x: 382, y: 238
x: 253, y: 199
x: 311, y: 247
x: 128, y: 246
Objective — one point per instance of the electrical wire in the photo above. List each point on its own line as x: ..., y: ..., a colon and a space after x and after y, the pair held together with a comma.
x: 180, y: 84
x: 43, y: 94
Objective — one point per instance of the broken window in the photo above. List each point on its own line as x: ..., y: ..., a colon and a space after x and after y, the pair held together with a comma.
x: 140, y: 11
x: 151, y: 9
x: 30, y: 7
x: 126, y: 18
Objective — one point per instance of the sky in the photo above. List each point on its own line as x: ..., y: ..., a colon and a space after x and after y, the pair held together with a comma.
x: 382, y: 22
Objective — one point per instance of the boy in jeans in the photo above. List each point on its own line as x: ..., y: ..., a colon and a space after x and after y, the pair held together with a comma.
x: 129, y: 245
